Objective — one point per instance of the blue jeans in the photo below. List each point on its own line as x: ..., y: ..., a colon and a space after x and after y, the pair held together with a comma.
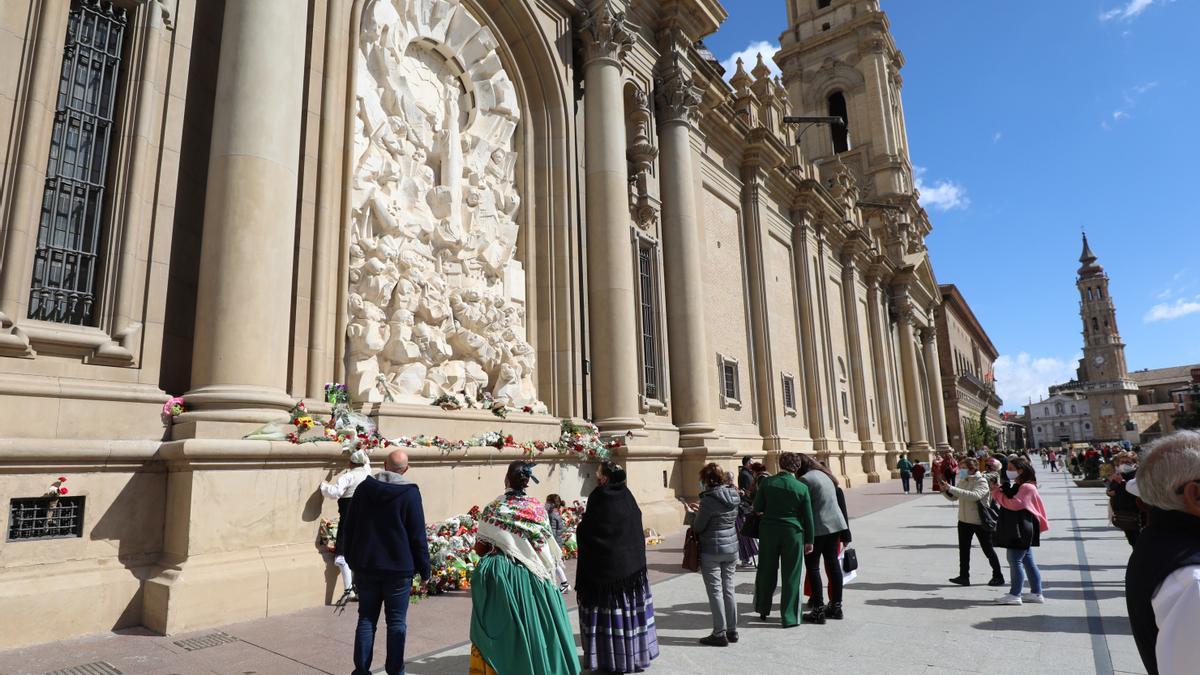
x: 1020, y: 561
x: 904, y: 478
x: 390, y: 592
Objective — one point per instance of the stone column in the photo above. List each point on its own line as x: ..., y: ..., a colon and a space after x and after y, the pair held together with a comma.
x: 854, y: 347
x: 612, y: 308
x: 917, y: 440
x: 883, y: 384
x: 243, y: 304
x: 21, y: 220
x: 936, y: 401
x: 691, y: 367
x: 811, y: 378
x: 765, y: 373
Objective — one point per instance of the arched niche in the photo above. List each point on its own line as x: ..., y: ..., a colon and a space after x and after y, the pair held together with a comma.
x: 482, y: 243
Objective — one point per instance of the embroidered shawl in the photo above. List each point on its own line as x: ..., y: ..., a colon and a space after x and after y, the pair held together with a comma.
x: 519, y: 527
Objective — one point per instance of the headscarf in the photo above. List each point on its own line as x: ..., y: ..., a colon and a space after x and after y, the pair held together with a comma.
x: 519, y: 527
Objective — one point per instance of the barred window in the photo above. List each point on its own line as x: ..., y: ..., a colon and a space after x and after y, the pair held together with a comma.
x: 45, y: 518
x: 647, y: 290
x: 72, y: 228
x: 730, y: 390
x: 789, y: 393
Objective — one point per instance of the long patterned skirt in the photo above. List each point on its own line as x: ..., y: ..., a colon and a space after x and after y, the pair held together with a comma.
x: 747, y: 546
x: 620, y: 638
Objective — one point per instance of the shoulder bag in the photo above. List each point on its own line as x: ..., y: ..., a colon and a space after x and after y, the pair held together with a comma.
x: 691, y: 551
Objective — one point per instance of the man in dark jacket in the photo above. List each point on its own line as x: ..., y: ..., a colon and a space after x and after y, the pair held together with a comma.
x: 385, y: 545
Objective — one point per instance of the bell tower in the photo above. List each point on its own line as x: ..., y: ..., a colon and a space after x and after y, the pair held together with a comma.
x: 1102, y: 370
x: 839, y: 60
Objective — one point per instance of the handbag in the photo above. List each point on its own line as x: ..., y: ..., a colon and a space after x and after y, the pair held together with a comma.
x: 751, y: 526
x: 1127, y: 521
x: 989, y: 516
x: 1015, y: 529
x: 691, y: 551
x: 849, y: 561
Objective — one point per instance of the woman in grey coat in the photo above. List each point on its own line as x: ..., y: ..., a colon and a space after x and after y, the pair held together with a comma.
x: 831, y: 530
x: 715, y: 517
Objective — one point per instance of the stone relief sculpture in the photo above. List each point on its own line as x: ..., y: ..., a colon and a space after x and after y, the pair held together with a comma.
x: 436, y: 300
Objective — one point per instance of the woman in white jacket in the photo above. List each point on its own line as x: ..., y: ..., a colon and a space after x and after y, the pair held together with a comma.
x: 342, y: 489
x: 972, y: 493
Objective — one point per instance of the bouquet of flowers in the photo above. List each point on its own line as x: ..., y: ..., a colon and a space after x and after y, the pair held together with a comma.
x: 327, y: 534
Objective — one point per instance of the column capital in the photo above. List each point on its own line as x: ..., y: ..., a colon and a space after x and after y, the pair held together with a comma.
x: 928, y: 335
x: 678, y: 98
x: 605, y: 32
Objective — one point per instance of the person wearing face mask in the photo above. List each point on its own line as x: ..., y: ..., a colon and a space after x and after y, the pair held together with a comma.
x: 973, y: 494
x: 1127, y: 517
x: 1019, y: 528
x: 1162, y: 581
x: 713, y: 522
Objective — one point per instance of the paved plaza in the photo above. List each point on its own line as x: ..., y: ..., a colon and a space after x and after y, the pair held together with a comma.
x: 902, y: 615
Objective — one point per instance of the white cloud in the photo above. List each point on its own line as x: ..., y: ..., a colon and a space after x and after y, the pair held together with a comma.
x: 1023, y: 377
x: 997, y: 136
x: 1130, y: 10
x: 749, y: 57
x: 943, y: 195
x: 1129, y: 98
x: 1165, y: 311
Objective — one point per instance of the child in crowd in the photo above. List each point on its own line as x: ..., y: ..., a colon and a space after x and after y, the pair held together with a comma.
x: 554, y: 506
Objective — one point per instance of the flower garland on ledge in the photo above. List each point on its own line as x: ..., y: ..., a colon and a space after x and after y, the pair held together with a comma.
x: 355, y: 431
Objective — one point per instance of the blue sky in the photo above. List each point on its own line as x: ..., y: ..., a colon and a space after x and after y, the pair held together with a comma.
x: 1029, y: 120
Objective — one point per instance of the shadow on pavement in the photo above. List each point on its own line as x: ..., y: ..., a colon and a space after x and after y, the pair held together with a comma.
x: 457, y: 663
x: 1056, y: 624
x: 919, y: 547
x: 927, y: 603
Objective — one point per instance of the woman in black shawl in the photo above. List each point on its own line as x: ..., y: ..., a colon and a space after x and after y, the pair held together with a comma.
x: 616, y: 610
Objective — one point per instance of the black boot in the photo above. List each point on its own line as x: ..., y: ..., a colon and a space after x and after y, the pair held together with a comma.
x: 834, y: 611
x: 997, y: 580
x: 715, y: 641
x: 816, y: 616
x: 961, y: 580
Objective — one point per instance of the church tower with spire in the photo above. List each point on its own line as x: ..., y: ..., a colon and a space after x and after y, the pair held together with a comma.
x: 1103, y: 373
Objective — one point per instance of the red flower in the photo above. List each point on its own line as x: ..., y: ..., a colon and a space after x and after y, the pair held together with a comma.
x: 508, y: 440
x: 62, y: 479
x: 62, y: 490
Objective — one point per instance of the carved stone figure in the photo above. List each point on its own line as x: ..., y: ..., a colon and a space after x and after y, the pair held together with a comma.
x: 436, y: 303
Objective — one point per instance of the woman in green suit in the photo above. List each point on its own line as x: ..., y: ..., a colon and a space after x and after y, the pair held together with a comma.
x: 785, y: 535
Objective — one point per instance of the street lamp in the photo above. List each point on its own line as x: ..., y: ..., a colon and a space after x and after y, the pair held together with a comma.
x: 811, y: 122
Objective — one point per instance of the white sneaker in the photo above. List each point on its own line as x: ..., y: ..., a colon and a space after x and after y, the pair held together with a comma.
x: 1035, y: 598
x: 1009, y: 600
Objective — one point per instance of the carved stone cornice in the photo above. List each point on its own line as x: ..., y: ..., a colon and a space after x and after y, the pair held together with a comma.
x: 678, y: 97
x: 605, y: 32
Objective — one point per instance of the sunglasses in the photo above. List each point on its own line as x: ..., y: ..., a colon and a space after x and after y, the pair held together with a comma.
x: 1179, y: 490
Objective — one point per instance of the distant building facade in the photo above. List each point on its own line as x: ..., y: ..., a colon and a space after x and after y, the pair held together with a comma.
x: 1163, y: 392
x: 1062, y: 418
x: 967, y: 367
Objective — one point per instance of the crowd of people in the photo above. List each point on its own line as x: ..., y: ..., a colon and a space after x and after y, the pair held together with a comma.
x: 788, y: 527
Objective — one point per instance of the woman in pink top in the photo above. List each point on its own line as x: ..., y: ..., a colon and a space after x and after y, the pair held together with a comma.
x: 1022, y: 521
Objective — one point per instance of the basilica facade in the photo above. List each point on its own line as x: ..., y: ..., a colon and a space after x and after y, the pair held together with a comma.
x: 566, y: 207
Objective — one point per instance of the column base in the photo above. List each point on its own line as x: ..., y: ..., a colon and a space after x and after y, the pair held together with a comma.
x: 620, y: 425
x: 215, y: 589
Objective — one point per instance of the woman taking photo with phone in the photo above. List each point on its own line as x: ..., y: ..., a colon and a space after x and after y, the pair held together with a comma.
x: 1019, y: 529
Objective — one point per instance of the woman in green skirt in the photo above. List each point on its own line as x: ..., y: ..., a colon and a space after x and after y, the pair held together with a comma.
x: 519, y: 621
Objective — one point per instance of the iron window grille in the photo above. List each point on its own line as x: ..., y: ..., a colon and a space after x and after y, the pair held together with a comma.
x: 45, y: 518
x: 71, y: 230
x: 789, y: 393
x: 649, y: 316
x: 728, y: 375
